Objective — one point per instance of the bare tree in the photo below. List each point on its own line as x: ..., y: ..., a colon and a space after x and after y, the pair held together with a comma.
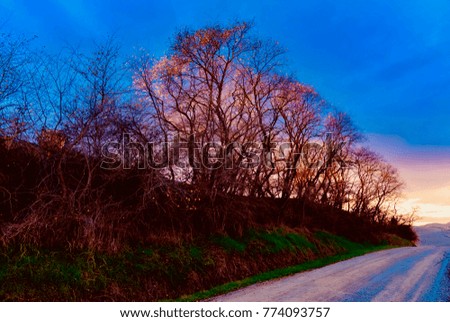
x: 14, y: 61
x: 299, y: 108
x: 214, y: 89
x: 377, y: 187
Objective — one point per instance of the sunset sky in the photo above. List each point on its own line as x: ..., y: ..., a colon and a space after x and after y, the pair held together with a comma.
x: 385, y: 63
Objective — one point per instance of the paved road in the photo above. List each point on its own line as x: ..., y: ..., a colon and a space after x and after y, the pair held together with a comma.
x: 403, y: 274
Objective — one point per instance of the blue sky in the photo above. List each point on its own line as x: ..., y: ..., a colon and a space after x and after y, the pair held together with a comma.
x: 385, y: 63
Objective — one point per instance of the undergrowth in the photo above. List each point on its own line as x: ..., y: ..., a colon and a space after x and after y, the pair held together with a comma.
x: 164, y: 272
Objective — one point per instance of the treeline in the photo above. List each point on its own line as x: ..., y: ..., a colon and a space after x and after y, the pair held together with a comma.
x: 214, y: 137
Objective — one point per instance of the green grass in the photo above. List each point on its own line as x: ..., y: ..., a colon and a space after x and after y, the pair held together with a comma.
x: 272, y: 241
x: 229, y: 244
x: 338, y: 241
x: 278, y: 240
x: 39, y: 274
x: 42, y: 275
x: 282, y: 272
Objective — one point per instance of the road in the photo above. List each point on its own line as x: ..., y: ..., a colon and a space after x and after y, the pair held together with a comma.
x: 402, y: 274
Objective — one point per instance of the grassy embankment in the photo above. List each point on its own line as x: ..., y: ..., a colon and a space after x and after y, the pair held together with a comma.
x: 124, y: 238
x: 202, y: 268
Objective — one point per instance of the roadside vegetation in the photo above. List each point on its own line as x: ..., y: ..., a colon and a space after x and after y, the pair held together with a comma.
x: 170, y: 272
x: 151, y: 178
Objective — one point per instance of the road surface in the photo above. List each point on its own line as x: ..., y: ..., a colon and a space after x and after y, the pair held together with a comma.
x: 402, y: 274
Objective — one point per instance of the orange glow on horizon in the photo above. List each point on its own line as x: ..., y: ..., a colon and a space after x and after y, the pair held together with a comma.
x: 426, y: 173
